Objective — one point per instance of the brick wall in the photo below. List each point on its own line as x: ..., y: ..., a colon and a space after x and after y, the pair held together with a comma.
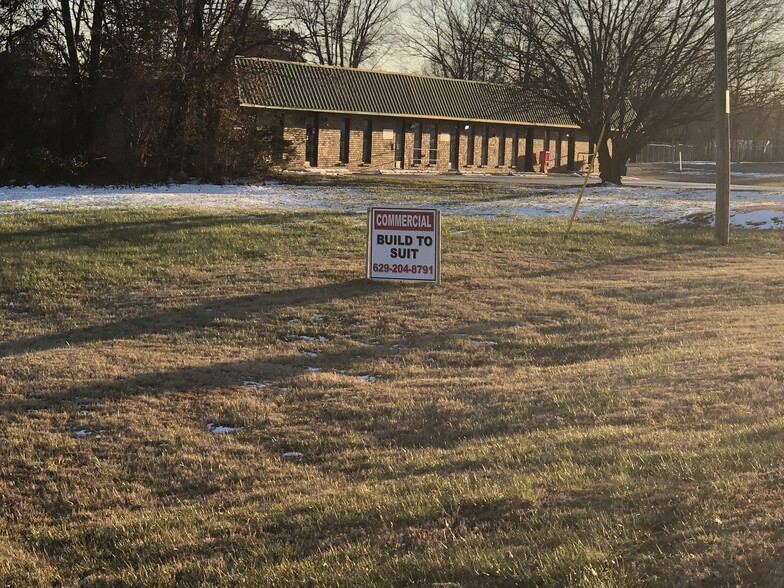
x: 386, y: 130
x: 294, y: 131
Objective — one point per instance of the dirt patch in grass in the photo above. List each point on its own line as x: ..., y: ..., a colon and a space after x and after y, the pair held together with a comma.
x: 605, y: 412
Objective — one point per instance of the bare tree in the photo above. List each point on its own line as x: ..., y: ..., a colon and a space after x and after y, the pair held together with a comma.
x: 512, y: 50
x: 145, y: 81
x: 756, y: 53
x: 594, y: 55
x: 756, y: 68
x: 347, y: 33
x: 72, y: 43
x: 632, y: 67
x: 21, y: 20
x: 454, y: 37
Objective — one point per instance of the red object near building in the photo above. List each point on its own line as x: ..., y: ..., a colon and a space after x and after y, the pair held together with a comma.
x: 544, y: 160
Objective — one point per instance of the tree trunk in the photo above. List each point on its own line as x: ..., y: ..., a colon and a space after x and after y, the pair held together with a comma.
x: 611, y: 166
x: 70, y: 43
x: 175, y: 131
x: 174, y: 149
x: 73, y: 140
x: 90, y: 108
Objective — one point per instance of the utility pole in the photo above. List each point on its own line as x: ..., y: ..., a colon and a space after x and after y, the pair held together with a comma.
x: 722, y: 99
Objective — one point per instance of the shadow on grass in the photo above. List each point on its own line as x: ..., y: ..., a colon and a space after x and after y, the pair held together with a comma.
x: 120, y: 230
x: 631, y: 260
x: 291, y: 537
x: 101, y: 233
x: 194, y: 317
x: 204, y: 314
x: 428, y: 418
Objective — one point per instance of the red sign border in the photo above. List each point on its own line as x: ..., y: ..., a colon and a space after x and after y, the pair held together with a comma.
x: 437, y: 234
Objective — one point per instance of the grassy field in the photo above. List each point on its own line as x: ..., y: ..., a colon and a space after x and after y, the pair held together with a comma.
x: 606, y: 412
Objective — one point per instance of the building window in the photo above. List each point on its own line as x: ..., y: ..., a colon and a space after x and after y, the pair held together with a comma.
x: 501, y: 147
x: 515, y: 148
x: 434, y: 145
x: 367, y: 142
x: 417, y: 159
x: 470, y: 146
x: 485, y: 145
x: 345, y: 133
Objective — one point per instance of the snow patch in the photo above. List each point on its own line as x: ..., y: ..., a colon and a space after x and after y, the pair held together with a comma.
x: 635, y: 203
x: 757, y: 219
x: 221, y: 430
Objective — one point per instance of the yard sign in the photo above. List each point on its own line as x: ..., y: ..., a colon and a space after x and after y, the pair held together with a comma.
x: 404, y: 244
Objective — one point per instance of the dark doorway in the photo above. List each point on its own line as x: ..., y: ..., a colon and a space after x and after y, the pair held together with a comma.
x: 470, y: 145
x: 546, y: 142
x: 485, y: 146
x: 400, y: 145
x: 530, y: 156
x: 367, y: 142
x: 454, y: 147
x: 345, y: 134
x: 417, y: 157
x: 311, y: 139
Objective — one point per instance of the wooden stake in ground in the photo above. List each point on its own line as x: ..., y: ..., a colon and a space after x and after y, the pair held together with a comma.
x: 585, y: 182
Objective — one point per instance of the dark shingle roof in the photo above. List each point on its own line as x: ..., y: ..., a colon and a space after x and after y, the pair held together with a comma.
x: 266, y: 83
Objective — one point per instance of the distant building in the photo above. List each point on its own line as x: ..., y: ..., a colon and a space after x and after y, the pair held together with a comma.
x: 372, y: 120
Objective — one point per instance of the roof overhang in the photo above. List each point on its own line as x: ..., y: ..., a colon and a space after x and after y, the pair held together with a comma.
x: 413, y: 116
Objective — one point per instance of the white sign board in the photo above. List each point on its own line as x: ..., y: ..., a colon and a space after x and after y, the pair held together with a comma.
x: 404, y: 244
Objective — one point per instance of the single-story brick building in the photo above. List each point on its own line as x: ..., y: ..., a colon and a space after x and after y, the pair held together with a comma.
x: 373, y: 120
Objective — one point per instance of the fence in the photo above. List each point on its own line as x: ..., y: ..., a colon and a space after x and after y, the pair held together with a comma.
x: 747, y: 150
x: 756, y: 151
x: 665, y: 153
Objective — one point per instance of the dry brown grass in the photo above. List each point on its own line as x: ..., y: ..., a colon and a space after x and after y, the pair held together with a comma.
x: 602, y: 413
